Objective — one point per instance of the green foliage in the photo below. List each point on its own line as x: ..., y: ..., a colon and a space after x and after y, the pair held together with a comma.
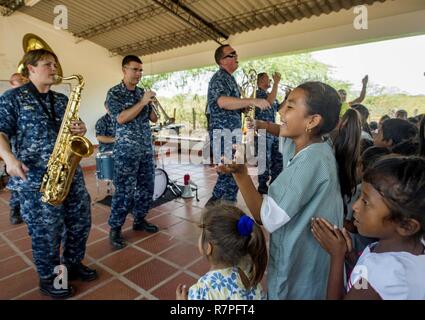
x: 389, y: 104
x: 294, y: 69
x: 184, y: 106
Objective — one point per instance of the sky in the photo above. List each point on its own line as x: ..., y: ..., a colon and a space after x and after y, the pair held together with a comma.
x: 398, y: 63
x: 393, y: 63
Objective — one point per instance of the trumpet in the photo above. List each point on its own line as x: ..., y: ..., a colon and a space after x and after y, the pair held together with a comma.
x: 158, y: 109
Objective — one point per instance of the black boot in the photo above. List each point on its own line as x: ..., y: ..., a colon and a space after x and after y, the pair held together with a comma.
x: 81, y: 272
x: 15, y: 216
x: 116, y: 238
x: 47, y: 288
x: 144, y: 225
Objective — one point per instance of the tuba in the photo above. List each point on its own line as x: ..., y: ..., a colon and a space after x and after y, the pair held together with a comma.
x: 67, y: 153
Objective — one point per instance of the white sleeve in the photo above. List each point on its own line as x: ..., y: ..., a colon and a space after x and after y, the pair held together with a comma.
x: 272, y: 216
x: 385, y: 274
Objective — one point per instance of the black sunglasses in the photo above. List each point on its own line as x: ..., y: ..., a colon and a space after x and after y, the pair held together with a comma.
x: 230, y: 55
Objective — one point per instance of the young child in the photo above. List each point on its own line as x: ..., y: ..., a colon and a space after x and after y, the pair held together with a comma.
x: 368, y: 158
x: 395, y: 131
x: 392, y: 209
x: 309, y: 184
x: 236, y: 250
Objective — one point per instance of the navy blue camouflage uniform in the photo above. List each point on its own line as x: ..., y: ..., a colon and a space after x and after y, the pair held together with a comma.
x: 134, y: 168
x: 33, y: 120
x: 273, y: 156
x: 224, y: 84
x: 105, y: 126
x: 14, y: 196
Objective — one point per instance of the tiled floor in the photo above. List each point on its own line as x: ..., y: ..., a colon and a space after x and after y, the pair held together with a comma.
x: 150, y: 267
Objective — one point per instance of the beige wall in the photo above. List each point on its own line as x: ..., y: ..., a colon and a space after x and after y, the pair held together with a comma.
x: 391, y: 19
x: 93, y: 62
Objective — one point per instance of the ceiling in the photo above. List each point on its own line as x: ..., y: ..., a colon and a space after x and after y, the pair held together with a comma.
x: 145, y: 27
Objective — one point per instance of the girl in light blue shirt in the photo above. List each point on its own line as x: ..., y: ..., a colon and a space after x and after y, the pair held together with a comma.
x: 312, y: 184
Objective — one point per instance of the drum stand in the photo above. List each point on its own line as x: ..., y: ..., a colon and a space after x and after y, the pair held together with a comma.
x: 109, y: 184
x: 174, y: 188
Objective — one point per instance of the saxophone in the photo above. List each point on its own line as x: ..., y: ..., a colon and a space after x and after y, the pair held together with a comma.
x: 67, y: 153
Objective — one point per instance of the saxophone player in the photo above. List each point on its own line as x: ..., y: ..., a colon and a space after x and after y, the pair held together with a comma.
x: 31, y: 115
x: 134, y: 169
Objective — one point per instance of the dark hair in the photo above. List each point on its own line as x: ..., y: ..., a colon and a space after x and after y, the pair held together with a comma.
x: 406, y: 148
x: 384, y: 118
x: 401, y: 113
x: 364, y: 144
x: 260, y: 76
x: 364, y: 113
x: 324, y: 100
x: 373, y: 125
x: 33, y: 57
x: 398, y: 130
x: 220, y: 228
x: 372, y: 154
x: 414, y: 120
x: 130, y: 58
x: 422, y: 137
x: 401, y: 182
x: 219, y: 53
x: 347, y: 151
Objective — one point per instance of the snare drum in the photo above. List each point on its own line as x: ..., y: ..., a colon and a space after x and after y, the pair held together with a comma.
x: 105, y: 165
x: 161, y: 183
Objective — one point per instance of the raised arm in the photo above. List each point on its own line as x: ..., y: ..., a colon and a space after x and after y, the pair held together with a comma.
x: 362, y: 93
x: 270, y: 127
x: 132, y: 112
x: 232, y: 103
x: 273, y: 94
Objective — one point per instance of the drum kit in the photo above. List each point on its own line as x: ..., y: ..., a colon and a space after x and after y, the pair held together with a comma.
x: 105, y: 172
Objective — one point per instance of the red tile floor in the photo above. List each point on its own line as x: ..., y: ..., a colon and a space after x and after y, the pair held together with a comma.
x: 150, y: 267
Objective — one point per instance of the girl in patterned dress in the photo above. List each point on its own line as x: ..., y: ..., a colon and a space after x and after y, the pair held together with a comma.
x: 236, y: 250
x: 391, y: 208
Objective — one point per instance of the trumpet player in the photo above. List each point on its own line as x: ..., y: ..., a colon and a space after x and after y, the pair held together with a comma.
x: 225, y: 105
x: 134, y: 169
x: 31, y: 115
x: 273, y: 157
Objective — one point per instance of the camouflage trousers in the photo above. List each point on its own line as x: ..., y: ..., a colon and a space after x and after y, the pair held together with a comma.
x: 134, y: 177
x: 49, y: 226
x: 225, y: 187
x: 273, y: 159
x: 14, y: 200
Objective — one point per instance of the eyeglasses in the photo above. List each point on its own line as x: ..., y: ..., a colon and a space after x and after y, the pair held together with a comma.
x: 232, y: 54
x: 135, y: 69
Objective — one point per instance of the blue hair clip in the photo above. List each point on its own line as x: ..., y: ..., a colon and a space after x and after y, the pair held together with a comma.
x: 245, y: 225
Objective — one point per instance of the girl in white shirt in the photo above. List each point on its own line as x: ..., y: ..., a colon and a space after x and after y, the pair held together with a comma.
x: 392, y: 209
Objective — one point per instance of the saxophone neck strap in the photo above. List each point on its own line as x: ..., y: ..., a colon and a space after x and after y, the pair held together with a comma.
x: 48, y: 104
